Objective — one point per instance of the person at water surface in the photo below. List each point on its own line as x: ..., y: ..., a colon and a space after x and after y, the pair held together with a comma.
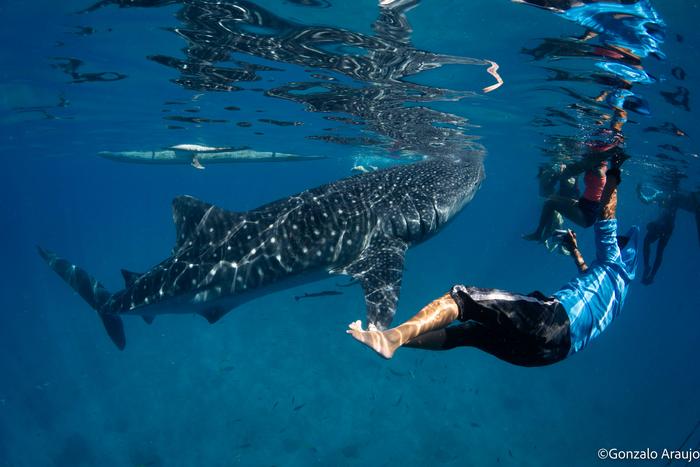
x: 660, y: 230
x: 527, y: 330
x: 584, y: 210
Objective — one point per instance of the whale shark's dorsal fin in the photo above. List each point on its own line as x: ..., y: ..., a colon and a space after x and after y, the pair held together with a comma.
x: 130, y: 277
x: 379, y: 269
x: 193, y: 217
x: 188, y: 212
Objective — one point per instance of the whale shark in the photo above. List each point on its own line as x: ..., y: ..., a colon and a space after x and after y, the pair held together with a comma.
x: 359, y: 226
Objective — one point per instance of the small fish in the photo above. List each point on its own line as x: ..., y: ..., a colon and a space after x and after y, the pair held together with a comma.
x: 474, y: 425
x: 510, y: 453
x: 226, y: 368
x: 317, y: 294
x: 398, y: 402
x: 275, y: 404
x: 299, y: 407
x: 279, y: 122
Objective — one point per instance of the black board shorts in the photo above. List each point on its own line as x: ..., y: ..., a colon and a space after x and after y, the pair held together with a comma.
x: 526, y: 330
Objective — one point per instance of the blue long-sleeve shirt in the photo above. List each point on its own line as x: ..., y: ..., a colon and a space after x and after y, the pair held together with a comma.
x: 594, y: 298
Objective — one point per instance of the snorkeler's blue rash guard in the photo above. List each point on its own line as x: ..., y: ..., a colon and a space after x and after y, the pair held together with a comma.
x: 594, y: 298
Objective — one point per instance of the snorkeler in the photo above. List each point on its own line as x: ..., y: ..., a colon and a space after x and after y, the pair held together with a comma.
x: 659, y: 231
x: 584, y: 210
x: 527, y: 330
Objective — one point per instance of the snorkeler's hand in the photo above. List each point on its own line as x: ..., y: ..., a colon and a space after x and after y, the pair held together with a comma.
x: 569, y: 242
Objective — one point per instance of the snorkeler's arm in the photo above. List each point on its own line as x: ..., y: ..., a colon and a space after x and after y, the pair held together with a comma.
x: 609, y: 199
x: 571, y: 245
x: 580, y: 262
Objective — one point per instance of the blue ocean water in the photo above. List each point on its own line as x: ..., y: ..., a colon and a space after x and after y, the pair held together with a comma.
x: 277, y: 381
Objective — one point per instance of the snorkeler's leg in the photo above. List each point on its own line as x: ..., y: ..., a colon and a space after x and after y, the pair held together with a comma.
x: 469, y: 334
x: 660, y: 247
x: 435, y: 315
x: 530, y: 330
x: 649, y: 239
x: 553, y: 203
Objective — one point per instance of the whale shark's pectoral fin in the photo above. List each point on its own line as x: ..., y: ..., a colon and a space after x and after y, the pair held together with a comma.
x: 148, y: 318
x: 379, y: 269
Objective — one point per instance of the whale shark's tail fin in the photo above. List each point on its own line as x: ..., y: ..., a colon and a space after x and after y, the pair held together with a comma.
x: 92, y: 292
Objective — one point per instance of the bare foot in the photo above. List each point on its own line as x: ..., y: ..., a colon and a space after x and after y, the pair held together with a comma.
x: 377, y: 340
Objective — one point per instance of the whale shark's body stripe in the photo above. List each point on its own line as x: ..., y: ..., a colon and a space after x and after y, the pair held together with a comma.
x: 360, y: 226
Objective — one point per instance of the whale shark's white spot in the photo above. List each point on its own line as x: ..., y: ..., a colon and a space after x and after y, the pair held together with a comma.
x: 273, y: 240
x: 252, y: 252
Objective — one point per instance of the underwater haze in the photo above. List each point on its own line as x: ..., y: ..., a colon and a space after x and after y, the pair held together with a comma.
x: 349, y: 88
